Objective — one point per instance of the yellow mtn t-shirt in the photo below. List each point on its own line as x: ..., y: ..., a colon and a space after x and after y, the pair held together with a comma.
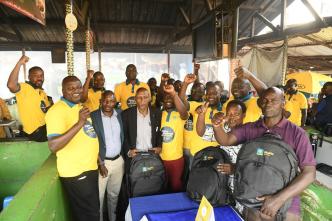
x: 188, y: 132
x: 32, y: 105
x: 253, y: 111
x: 172, y: 127
x: 93, y: 100
x: 294, y: 105
x: 81, y: 153
x: 125, y: 93
x: 198, y: 143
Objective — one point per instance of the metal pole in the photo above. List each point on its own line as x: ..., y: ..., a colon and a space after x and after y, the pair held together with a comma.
x: 99, y: 58
x: 69, y: 42
x: 235, y: 30
x: 87, y: 46
x: 168, y: 60
x: 284, y: 62
x: 24, y: 66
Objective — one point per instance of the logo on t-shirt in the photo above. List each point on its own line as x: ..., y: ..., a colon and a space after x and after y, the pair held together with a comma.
x: 88, y: 130
x: 131, y: 101
x: 43, y: 106
x: 189, y: 124
x: 209, y: 134
x: 168, y: 134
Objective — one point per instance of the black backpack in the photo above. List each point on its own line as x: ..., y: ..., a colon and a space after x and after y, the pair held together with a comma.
x: 204, y: 179
x: 264, y: 166
x: 146, y: 175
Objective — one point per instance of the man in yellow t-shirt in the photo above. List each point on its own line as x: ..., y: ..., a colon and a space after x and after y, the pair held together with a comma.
x: 194, y: 100
x: 91, y: 96
x: 296, y: 103
x: 172, y: 126
x: 125, y: 91
x: 72, y: 137
x: 205, y: 112
x: 241, y: 90
x: 4, y: 115
x: 32, y: 101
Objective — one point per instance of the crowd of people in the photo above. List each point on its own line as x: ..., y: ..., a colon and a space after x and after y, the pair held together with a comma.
x: 95, y: 132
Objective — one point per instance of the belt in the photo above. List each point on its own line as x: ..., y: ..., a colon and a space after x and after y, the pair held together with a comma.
x: 112, y: 158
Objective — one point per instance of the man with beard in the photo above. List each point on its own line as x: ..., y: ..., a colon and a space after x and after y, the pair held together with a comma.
x: 272, y: 103
x: 296, y: 103
x: 72, y: 137
x: 91, y: 97
x: 125, y: 91
x: 241, y: 90
x: 32, y: 101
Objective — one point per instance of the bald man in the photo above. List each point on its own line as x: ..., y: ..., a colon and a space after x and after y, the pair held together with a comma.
x: 272, y: 104
x: 74, y: 140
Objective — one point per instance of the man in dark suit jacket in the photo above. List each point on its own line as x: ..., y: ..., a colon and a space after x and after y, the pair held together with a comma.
x: 109, y: 129
x: 141, y: 126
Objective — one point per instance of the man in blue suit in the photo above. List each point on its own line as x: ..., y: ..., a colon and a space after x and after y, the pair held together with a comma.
x: 108, y: 126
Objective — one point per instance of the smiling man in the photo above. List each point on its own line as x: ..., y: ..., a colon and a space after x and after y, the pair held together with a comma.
x: 32, y: 101
x: 74, y: 140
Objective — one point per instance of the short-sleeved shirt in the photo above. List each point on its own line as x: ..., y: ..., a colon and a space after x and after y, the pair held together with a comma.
x: 253, y: 112
x: 93, y: 101
x: 294, y: 104
x: 172, y: 127
x: 4, y: 113
x: 293, y: 135
x: 81, y: 153
x: 32, y: 105
x: 188, y: 133
x: 208, y: 139
x: 125, y: 93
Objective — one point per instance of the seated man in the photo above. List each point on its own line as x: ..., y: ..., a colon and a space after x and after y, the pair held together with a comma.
x: 272, y: 104
x: 32, y: 101
x: 4, y: 115
x: 74, y: 140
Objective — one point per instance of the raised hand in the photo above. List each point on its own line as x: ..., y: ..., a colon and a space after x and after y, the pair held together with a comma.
x: 190, y: 78
x: 169, y: 89
x: 89, y: 74
x: 218, y: 119
x: 23, y: 60
x: 202, y: 108
x: 83, y: 115
x: 165, y: 77
x: 242, y: 72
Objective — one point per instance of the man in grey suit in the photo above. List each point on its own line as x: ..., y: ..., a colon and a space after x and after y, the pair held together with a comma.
x: 108, y: 126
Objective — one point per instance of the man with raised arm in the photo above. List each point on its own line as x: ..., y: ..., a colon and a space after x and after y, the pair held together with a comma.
x: 32, y: 101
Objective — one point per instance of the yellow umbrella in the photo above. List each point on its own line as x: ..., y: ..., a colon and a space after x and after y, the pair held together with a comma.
x: 309, y: 82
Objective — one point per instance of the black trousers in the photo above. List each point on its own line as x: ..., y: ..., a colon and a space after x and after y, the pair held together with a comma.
x: 39, y: 135
x: 83, y: 195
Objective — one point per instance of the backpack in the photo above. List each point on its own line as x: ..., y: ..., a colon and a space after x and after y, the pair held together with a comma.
x: 204, y: 178
x: 264, y: 166
x: 146, y: 175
